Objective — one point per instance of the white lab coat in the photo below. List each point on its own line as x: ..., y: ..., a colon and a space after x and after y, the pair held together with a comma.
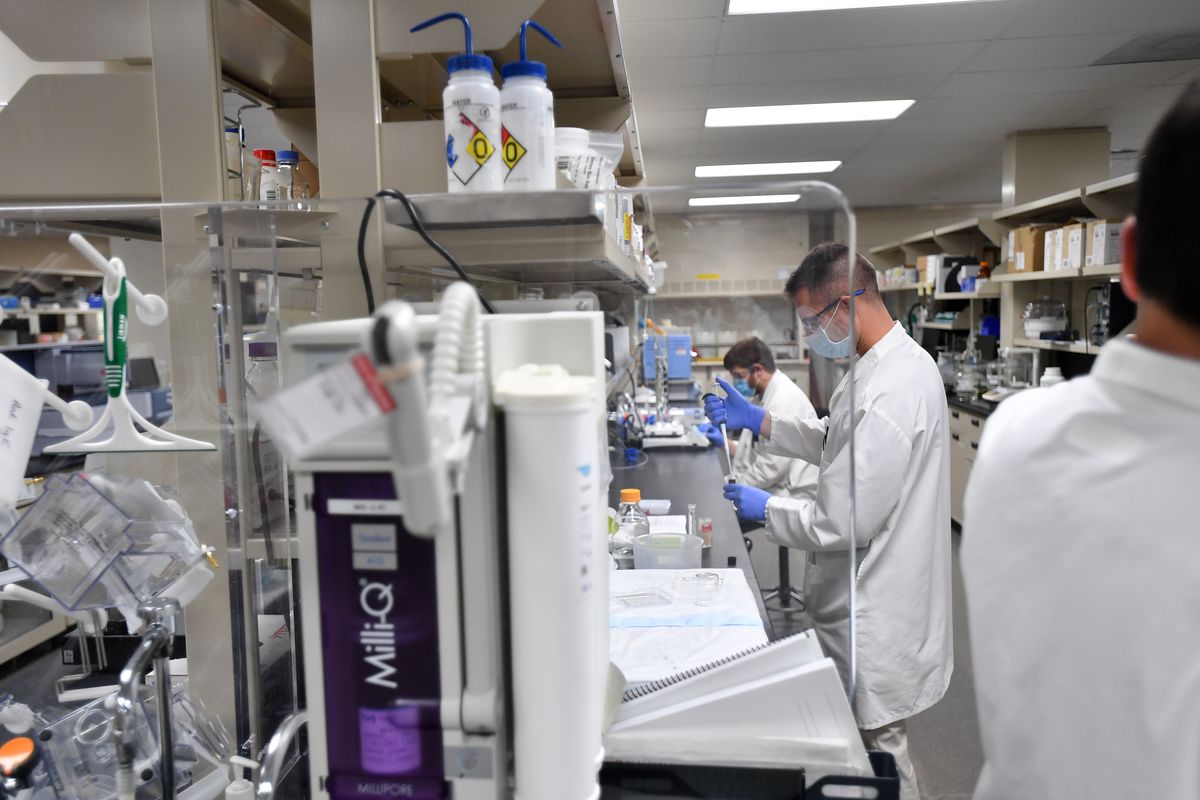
x: 905, y: 654
x: 779, y: 475
x: 1081, y: 558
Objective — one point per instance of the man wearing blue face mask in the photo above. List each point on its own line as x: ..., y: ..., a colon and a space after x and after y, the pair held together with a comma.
x: 902, y: 476
x: 752, y: 368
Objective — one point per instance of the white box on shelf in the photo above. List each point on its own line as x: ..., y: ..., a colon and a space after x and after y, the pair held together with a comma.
x: 1050, y: 255
x: 1071, y: 249
x: 1103, y: 243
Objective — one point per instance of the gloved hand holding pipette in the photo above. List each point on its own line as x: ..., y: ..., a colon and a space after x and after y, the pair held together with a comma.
x: 750, y: 503
x: 733, y: 410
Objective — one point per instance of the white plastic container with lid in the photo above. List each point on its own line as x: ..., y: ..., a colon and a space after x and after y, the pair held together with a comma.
x: 558, y: 598
x: 527, y: 121
x: 1052, y: 376
x: 471, y: 110
x: 268, y: 175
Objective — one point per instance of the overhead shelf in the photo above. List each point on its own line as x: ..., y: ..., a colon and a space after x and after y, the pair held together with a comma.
x: 1114, y: 198
x: 1104, y: 270
x: 1055, y: 208
x: 960, y: 324
x: 1082, y: 348
x: 989, y: 291
x: 531, y: 237
x: 906, y: 287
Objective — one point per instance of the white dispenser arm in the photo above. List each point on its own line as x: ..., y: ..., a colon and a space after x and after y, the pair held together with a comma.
x: 420, y: 429
x: 151, y: 308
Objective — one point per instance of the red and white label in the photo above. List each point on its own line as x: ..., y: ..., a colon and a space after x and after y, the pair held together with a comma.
x: 335, y: 401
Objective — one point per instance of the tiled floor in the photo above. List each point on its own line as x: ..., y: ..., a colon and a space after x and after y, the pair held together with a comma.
x: 945, y: 739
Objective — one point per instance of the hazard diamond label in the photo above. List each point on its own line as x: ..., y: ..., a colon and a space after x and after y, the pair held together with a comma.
x: 511, y: 150
x: 477, y: 151
x: 480, y: 148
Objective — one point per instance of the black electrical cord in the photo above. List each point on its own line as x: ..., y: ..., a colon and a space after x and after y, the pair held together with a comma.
x: 362, y: 256
x: 419, y: 225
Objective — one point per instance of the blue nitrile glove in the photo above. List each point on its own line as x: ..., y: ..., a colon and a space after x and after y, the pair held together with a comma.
x: 751, y: 503
x: 734, y: 410
x: 712, y: 432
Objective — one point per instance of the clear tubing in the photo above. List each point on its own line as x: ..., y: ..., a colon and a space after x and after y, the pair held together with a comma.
x: 852, y: 683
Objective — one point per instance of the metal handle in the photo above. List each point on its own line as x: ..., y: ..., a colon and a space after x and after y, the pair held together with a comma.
x: 954, y: 436
x: 975, y: 422
x: 954, y: 414
x: 276, y: 751
x: 974, y: 446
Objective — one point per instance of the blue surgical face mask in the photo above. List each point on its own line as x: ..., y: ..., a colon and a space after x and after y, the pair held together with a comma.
x: 743, y: 387
x: 822, y: 345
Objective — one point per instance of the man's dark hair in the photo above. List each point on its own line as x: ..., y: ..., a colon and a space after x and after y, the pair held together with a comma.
x: 1168, y: 210
x: 825, y: 273
x: 748, y: 352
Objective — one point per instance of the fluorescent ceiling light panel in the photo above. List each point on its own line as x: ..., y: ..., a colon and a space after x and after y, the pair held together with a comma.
x: 744, y: 200
x: 806, y: 114
x: 737, y: 7
x: 778, y: 168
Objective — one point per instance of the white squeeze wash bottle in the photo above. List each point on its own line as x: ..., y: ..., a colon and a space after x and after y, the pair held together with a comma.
x: 471, y: 108
x: 527, y: 121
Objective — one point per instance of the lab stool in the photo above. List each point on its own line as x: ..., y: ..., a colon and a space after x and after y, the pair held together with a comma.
x: 789, y: 601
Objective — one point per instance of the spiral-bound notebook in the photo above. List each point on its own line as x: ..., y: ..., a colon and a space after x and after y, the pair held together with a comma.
x: 779, y: 703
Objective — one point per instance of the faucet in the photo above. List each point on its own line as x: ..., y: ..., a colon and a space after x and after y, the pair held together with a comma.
x: 277, y: 749
x: 159, y: 615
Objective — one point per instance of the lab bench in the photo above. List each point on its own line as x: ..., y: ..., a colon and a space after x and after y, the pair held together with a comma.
x: 967, y: 420
x: 695, y: 476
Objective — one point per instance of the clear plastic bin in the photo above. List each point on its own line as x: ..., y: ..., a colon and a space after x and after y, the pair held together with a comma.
x: 667, y: 551
x: 98, y: 541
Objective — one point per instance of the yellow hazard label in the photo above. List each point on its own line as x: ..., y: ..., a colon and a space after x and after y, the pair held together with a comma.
x: 708, y: 276
x: 480, y: 148
x: 512, y: 150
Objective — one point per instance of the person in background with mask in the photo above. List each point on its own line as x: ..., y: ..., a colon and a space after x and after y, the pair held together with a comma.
x: 902, y: 476
x: 752, y: 368
x: 1081, y: 545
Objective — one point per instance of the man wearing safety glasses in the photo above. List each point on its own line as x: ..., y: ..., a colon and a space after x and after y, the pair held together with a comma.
x: 901, y: 485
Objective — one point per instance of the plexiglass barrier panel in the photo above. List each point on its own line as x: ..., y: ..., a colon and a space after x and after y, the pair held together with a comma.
x: 707, y: 265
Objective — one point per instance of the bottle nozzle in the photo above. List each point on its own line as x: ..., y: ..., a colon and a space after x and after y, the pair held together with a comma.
x: 453, y: 15
x: 526, y: 25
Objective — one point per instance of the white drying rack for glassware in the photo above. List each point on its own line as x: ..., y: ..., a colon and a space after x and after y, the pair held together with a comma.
x: 118, y: 411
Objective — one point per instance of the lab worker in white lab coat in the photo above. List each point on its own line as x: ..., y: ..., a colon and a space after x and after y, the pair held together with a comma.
x: 902, y: 532
x: 752, y: 367
x: 1081, y: 543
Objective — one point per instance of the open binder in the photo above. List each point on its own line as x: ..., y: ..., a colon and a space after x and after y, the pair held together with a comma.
x: 780, y: 704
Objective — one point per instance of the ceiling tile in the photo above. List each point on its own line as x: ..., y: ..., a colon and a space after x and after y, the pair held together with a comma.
x: 841, y: 64
x: 876, y: 27
x: 1059, y: 17
x: 977, y: 105
x: 901, y: 87
x: 1044, y: 52
x: 655, y: 72
x: 642, y: 10
x: 651, y: 117
x: 670, y: 38
x: 672, y: 98
x: 1186, y: 78
x: 1016, y: 82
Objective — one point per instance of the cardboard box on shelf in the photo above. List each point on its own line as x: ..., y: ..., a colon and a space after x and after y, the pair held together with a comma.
x: 1071, y: 251
x: 927, y: 268
x: 1103, y: 242
x: 1028, y: 246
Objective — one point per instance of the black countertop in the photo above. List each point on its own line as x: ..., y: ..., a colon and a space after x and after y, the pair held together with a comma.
x: 983, y: 408
x: 694, y: 476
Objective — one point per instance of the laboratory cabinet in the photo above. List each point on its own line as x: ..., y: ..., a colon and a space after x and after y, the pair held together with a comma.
x: 966, y: 431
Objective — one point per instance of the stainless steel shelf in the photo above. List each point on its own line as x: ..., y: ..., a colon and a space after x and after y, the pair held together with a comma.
x: 531, y: 237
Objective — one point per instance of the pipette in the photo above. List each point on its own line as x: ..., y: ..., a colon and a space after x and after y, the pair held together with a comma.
x: 725, y: 441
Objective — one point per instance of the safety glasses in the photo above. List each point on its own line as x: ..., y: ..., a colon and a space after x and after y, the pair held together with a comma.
x: 813, y: 324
